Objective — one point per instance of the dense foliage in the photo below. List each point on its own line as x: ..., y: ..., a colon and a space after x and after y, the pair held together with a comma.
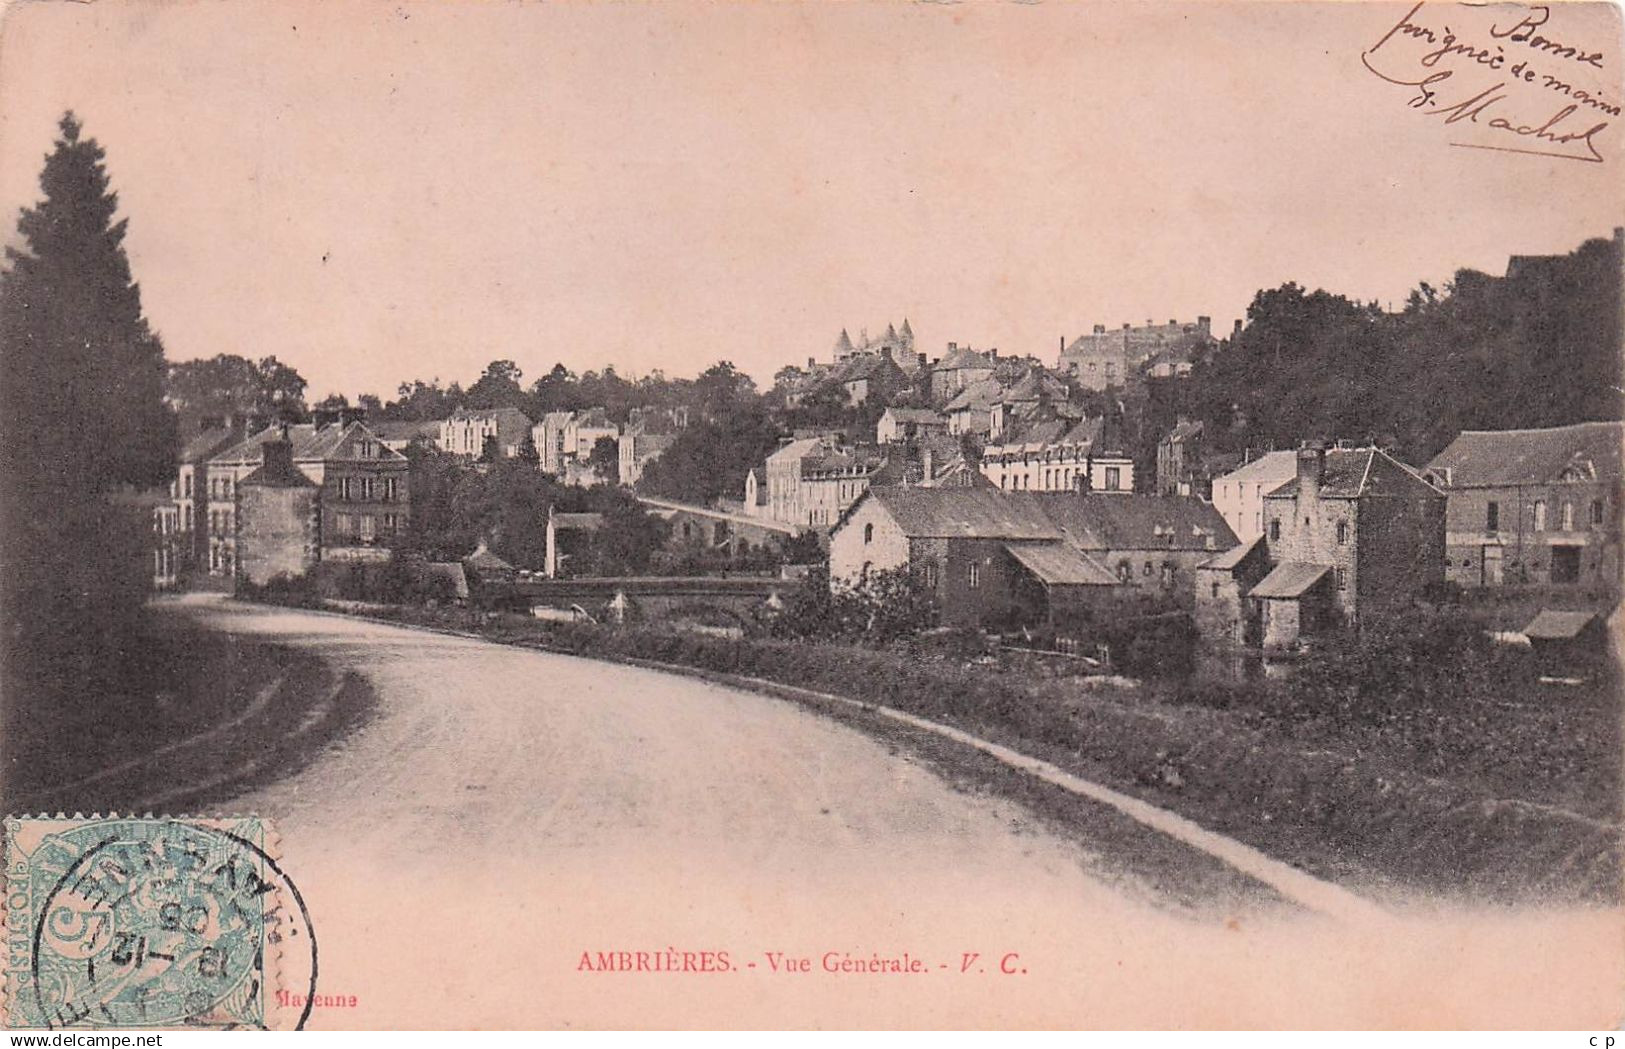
x: 82, y: 423
x: 1538, y: 347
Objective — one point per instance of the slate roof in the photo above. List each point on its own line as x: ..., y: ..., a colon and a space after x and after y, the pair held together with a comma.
x: 310, y: 443
x: 1352, y: 473
x: 1125, y: 521
x: 977, y: 396
x: 1271, y: 466
x: 916, y: 415
x: 864, y: 366
x: 1289, y: 579
x: 404, y: 429
x: 1552, y: 625
x: 207, y: 443
x: 1184, y: 431
x: 1087, y: 522
x: 1490, y: 458
x: 963, y: 357
x: 483, y: 559
x: 964, y: 513
x: 1057, y: 564
x: 1233, y: 557
x: 277, y: 475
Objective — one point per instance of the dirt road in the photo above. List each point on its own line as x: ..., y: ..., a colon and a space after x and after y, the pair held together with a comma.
x: 507, y: 812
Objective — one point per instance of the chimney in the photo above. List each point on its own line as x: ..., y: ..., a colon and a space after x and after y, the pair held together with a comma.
x: 1204, y: 323
x: 811, y: 363
x: 993, y: 353
x: 276, y: 456
x: 1063, y: 345
x: 1311, y: 471
x: 921, y: 358
x: 952, y: 346
x: 1100, y: 329
x: 1173, y: 322
x: 1236, y: 331
x: 1125, y: 325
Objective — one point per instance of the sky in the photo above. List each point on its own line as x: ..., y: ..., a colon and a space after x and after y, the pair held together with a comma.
x: 380, y: 192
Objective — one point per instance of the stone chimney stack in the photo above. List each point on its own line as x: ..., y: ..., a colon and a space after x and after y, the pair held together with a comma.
x: 276, y: 457
x: 1311, y: 470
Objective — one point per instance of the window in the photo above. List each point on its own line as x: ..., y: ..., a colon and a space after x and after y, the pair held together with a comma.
x: 367, y: 523
x: 1167, y: 575
x: 1275, y: 528
x: 1568, y: 517
x: 928, y: 574
x: 1215, y: 589
x: 391, y: 489
x: 188, y: 486
x: 868, y: 533
x: 1342, y: 578
x: 1596, y: 511
x: 1342, y: 532
x: 367, y: 451
x: 975, y: 574
x: 1492, y: 517
x: 1540, y: 515
x: 1125, y: 571
x: 1148, y: 569
x: 390, y: 524
x: 1114, y: 478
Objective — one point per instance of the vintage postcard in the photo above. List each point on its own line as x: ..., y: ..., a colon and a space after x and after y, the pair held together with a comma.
x: 867, y: 515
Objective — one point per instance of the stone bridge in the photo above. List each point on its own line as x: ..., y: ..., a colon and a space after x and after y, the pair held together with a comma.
x: 700, y: 600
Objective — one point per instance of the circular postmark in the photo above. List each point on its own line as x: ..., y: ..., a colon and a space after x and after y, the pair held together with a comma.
x: 145, y: 922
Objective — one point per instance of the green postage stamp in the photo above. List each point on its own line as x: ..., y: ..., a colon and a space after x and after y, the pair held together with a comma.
x: 138, y: 922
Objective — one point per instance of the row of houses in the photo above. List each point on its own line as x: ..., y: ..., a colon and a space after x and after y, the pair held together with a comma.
x: 250, y: 502
x: 1292, y: 544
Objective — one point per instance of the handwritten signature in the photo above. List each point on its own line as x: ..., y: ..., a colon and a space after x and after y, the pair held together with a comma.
x: 1544, y: 139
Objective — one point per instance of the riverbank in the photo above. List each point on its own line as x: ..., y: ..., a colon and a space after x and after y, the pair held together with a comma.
x: 199, y: 717
x: 1376, y: 818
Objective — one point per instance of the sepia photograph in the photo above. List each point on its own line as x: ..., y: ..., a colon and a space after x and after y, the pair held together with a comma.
x: 872, y: 515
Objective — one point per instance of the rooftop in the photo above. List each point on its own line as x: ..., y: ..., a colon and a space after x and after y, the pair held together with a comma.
x: 1482, y: 458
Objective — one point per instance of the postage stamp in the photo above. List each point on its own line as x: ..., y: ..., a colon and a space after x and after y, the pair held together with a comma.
x: 139, y: 922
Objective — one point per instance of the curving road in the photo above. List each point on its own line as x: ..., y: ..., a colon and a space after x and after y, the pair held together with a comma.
x: 507, y: 810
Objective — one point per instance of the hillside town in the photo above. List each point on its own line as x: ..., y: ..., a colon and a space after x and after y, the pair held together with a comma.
x: 1021, y: 496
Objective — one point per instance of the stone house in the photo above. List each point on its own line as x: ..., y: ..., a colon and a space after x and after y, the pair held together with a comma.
x: 1239, y: 494
x: 648, y: 433
x: 1114, y: 358
x: 401, y: 434
x: 1002, y: 559
x: 811, y: 481
x: 1059, y: 454
x: 1179, y: 460
x: 363, y: 490
x: 1355, y: 534
x: 908, y: 424
x: 465, y: 432
x: 278, y: 517
x: 870, y: 376
x: 1533, y: 506
x: 183, y: 521
x: 959, y: 368
x: 564, y: 440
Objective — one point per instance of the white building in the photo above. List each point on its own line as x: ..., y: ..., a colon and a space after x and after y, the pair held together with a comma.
x: 1239, y: 495
x: 465, y: 432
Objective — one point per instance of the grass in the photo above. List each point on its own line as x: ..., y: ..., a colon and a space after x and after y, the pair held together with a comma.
x: 197, y: 717
x: 1508, y: 800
